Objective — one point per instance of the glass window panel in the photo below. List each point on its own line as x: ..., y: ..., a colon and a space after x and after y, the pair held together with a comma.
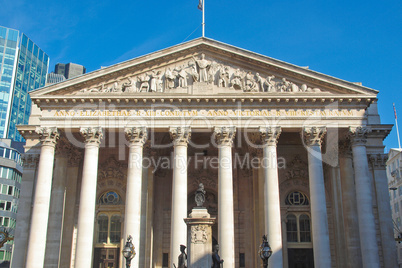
x: 304, y: 224
x: 115, y: 229
x: 6, y: 221
x: 102, y: 228
x: 291, y: 228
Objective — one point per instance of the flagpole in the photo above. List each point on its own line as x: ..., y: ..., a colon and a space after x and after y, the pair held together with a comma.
x: 203, y: 18
x: 396, y: 124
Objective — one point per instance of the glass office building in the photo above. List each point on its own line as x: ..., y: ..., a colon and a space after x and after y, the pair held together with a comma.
x: 23, y: 68
x: 10, y: 186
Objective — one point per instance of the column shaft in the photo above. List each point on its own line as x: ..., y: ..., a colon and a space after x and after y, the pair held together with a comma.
x: 179, y: 192
x: 322, y: 252
x: 24, y: 210
x: 364, y: 197
x: 350, y: 211
x: 86, y: 213
x: 40, y: 212
x: 272, y: 207
x: 56, y: 213
x: 132, y: 218
x: 226, y: 241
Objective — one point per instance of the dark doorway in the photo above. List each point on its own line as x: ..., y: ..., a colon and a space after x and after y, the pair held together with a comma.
x: 106, y: 258
x: 301, y: 258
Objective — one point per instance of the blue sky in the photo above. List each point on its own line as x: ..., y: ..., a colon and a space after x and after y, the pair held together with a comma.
x: 358, y: 41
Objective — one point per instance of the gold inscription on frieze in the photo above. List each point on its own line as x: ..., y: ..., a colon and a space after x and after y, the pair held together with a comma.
x: 206, y: 113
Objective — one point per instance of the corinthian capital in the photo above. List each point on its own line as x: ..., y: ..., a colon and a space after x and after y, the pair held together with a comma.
x: 48, y: 135
x: 180, y: 135
x: 313, y: 135
x: 136, y: 135
x: 358, y: 135
x: 92, y: 135
x: 270, y: 135
x: 224, y: 135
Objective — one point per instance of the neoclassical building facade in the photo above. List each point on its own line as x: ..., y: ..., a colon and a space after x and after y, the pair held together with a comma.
x: 280, y: 149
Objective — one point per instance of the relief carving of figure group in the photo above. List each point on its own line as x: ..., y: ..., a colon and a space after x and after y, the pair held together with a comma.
x: 203, y: 71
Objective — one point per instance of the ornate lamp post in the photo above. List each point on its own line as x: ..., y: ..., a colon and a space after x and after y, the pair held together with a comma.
x: 265, y: 251
x: 128, y: 251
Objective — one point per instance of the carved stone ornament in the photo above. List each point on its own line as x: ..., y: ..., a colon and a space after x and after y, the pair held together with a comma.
x: 136, y: 134
x: 297, y: 169
x: 92, y: 134
x: 48, y: 135
x: 224, y: 135
x: 30, y: 161
x: 200, y: 195
x: 199, y: 234
x: 180, y: 135
x: 313, y: 135
x: 378, y: 161
x: 358, y: 135
x: 199, y: 70
x: 270, y: 135
x: 65, y: 149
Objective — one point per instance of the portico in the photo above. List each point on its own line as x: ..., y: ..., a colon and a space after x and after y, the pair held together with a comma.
x: 264, y: 148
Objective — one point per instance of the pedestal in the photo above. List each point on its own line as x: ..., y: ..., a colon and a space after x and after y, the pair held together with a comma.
x: 199, y: 245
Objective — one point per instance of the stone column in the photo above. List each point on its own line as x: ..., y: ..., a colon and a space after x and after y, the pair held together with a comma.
x: 74, y: 160
x: 272, y: 206
x: 41, y: 204
x: 351, y: 224
x: 364, y: 197
x: 322, y: 253
x: 86, y: 213
x: 378, y: 162
x: 180, y: 136
x: 57, y: 206
x: 224, y: 139
x: 30, y: 161
x: 132, y: 219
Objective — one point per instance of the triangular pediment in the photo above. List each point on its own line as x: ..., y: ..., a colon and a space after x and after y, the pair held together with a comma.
x: 203, y: 67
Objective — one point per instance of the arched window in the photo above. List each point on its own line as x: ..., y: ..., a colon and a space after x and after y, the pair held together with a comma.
x: 109, y: 229
x: 298, y: 228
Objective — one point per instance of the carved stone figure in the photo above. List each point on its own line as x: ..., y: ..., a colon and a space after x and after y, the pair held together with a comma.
x: 182, y: 259
x: 216, y: 259
x: 294, y: 87
x: 203, y: 65
x: 223, y: 77
x: 284, y: 86
x: 200, y: 195
x: 251, y: 85
x: 155, y: 77
x: 144, y: 83
x: 270, y: 83
x: 237, y: 81
x: 129, y: 86
x: 193, y: 71
x: 211, y: 72
x: 170, y: 78
x: 182, y: 74
x: 260, y: 82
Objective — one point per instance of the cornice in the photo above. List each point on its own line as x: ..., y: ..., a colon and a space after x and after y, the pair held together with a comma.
x: 56, y: 101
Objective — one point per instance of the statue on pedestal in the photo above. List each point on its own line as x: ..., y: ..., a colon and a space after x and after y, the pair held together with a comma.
x: 182, y: 260
x: 203, y: 66
x: 216, y: 259
x: 200, y: 195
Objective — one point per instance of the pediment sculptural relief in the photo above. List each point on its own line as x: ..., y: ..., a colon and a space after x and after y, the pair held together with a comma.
x: 201, y: 73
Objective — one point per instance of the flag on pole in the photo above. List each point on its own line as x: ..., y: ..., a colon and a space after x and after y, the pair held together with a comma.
x: 200, y: 4
x: 394, y: 111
